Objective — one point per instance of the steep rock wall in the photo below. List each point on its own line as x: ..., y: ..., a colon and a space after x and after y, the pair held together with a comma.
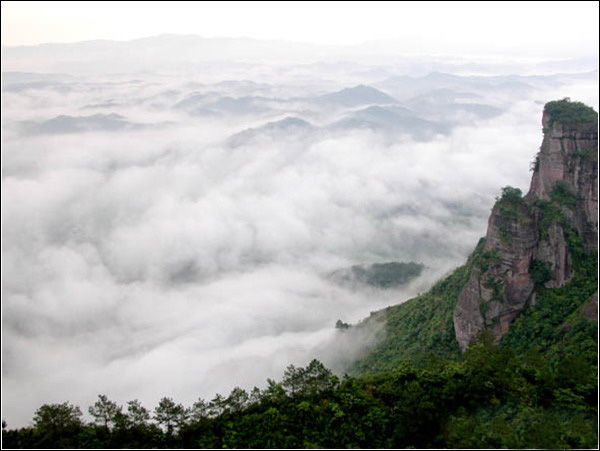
x: 569, y: 154
x: 527, y: 239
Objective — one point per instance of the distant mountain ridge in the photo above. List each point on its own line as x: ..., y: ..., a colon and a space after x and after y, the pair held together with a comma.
x: 356, y: 96
x: 392, y: 120
x: 289, y: 127
x: 73, y: 124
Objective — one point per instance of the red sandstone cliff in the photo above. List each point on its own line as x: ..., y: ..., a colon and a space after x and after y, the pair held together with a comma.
x: 527, y: 238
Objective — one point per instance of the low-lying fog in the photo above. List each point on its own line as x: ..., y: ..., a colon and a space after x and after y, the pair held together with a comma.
x: 173, y: 235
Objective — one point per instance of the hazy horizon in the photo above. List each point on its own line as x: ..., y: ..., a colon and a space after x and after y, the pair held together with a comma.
x: 439, y: 26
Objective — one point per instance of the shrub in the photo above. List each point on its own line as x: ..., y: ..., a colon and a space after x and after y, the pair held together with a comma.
x: 535, y: 164
x: 540, y: 272
x: 562, y: 195
x: 567, y: 112
x: 510, y: 205
x: 511, y: 196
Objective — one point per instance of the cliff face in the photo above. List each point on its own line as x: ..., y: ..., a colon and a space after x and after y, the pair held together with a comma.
x: 527, y: 240
x: 569, y: 155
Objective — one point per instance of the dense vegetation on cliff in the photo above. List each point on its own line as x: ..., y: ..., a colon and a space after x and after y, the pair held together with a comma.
x: 567, y: 112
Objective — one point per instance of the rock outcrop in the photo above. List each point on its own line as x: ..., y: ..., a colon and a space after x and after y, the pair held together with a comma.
x: 569, y: 156
x: 528, y: 239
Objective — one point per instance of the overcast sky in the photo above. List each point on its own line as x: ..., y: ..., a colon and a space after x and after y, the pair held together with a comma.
x: 521, y: 28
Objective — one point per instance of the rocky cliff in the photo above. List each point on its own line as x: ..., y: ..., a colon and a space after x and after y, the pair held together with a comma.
x: 530, y: 240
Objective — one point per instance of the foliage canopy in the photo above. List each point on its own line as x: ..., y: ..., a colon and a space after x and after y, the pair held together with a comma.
x: 567, y: 112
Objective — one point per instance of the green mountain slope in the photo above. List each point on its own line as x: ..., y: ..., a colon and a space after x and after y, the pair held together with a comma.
x: 417, y: 328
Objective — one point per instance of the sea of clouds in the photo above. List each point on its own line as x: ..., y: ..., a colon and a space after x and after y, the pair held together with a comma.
x: 171, y: 235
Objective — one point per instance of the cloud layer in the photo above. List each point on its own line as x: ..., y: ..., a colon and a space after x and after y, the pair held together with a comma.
x: 163, y: 261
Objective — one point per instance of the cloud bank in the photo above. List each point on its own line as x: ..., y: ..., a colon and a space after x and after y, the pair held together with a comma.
x: 163, y: 261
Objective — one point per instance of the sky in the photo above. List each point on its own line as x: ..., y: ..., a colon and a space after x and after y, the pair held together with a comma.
x: 518, y: 27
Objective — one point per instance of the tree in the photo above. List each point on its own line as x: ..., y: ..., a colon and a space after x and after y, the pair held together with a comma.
x: 199, y: 410
x: 339, y: 324
x: 137, y: 415
x: 237, y: 399
x: 255, y: 396
x: 274, y: 392
x: 105, y: 411
x: 170, y: 415
x: 292, y: 379
x: 308, y: 381
x: 511, y: 195
x: 216, y: 406
x: 56, y: 417
x: 317, y: 378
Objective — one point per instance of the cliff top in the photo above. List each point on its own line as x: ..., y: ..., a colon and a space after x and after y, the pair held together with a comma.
x: 567, y: 112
